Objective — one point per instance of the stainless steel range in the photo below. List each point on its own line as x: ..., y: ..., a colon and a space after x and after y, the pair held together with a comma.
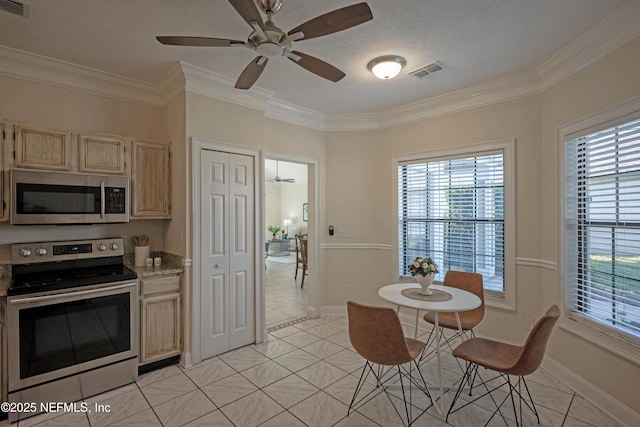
x: 72, y: 321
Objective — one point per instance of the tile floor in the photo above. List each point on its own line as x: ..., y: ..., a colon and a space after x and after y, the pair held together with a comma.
x: 303, y: 376
x: 285, y: 301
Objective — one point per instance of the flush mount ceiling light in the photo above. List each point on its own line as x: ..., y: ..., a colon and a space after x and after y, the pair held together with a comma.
x: 386, y: 67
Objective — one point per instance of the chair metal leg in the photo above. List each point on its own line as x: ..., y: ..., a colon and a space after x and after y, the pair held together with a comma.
x: 383, y: 377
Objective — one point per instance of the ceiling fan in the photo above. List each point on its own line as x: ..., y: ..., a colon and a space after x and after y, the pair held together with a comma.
x: 269, y: 41
x: 277, y: 178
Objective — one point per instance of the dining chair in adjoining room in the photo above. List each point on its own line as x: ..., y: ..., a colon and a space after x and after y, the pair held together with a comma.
x: 301, y: 255
x: 471, y: 282
x: 506, y: 360
x: 376, y: 334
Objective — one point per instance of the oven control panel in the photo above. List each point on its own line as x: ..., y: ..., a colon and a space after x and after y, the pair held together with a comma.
x: 28, y: 253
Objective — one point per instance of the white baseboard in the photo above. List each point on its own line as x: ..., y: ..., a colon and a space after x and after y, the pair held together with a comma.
x: 593, y: 394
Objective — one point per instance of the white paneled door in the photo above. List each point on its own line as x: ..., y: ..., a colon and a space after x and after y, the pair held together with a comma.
x: 227, y: 268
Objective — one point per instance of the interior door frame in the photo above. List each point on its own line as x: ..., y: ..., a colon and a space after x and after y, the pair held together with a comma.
x: 313, y: 193
x: 197, y: 146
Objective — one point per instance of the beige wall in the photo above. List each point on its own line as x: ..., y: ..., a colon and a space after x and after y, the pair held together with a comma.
x: 355, y: 177
x: 360, y: 176
x: 359, y: 179
x: 58, y: 108
x: 604, y: 84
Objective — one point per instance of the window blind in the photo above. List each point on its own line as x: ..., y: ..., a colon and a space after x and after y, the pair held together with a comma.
x: 602, y: 227
x: 452, y: 210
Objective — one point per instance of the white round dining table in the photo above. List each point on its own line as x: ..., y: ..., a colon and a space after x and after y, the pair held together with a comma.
x: 461, y: 300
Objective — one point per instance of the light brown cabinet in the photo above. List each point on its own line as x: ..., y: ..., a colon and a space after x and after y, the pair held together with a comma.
x: 160, y: 333
x: 42, y: 149
x: 101, y: 154
x: 150, y: 180
x: 4, y: 387
x: 4, y: 172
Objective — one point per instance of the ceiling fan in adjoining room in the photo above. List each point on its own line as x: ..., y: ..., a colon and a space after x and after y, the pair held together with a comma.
x: 269, y: 41
x: 279, y: 180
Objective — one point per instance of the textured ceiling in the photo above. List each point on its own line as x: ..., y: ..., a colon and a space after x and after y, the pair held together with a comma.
x: 475, y: 41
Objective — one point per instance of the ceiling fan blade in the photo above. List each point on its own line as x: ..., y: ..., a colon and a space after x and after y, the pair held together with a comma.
x: 198, y: 41
x: 248, y: 10
x: 332, y: 22
x: 251, y: 73
x: 316, y: 66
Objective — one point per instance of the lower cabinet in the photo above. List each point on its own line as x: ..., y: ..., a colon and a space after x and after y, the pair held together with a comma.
x: 160, y: 332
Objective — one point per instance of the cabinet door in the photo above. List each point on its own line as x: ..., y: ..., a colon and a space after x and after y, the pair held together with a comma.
x: 151, y: 180
x: 42, y: 149
x: 160, y: 327
x: 4, y: 173
x: 3, y: 351
x: 101, y: 154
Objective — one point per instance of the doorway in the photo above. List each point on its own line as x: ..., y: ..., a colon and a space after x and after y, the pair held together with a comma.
x: 286, y: 201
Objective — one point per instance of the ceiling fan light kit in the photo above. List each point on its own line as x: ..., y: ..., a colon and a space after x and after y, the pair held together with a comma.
x: 269, y: 41
x: 386, y: 67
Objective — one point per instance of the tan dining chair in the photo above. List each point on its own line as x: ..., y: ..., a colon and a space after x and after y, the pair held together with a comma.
x: 471, y: 282
x: 505, y: 359
x: 376, y: 334
x: 301, y: 255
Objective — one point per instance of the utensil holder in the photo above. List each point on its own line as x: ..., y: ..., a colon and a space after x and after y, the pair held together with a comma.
x: 141, y: 255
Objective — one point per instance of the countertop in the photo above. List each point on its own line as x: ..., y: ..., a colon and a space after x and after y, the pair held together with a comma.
x: 171, y: 264
x: 162, y: 270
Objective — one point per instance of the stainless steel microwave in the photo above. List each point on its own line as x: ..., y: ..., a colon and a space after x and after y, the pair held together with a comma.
x: 65, y: 198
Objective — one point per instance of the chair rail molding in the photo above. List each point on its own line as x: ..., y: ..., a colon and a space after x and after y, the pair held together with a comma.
x: 357, y: 246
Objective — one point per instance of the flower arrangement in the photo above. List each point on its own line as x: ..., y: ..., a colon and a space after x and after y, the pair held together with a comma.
x: 273, y: 229
x: 423, y: 266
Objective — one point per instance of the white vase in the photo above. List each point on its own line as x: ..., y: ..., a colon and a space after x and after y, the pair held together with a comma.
x: 141, y: 255
x: 425, y: 282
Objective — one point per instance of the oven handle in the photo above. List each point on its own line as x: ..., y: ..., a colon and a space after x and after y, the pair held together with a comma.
x: 57, y: 296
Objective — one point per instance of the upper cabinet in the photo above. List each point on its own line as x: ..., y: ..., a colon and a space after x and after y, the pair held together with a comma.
x: 101, y: 154
x: 150, y: 180
x: 42, y: 149
x: 148, y: 164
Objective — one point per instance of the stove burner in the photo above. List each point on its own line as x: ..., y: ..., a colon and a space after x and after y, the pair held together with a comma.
x: 53, y: 281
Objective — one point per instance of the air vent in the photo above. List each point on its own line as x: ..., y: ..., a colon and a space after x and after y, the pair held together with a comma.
x: 16, y: 7
x: 426, y: 70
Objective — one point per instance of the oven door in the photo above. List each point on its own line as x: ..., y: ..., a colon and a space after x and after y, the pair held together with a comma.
x: 51, y: 336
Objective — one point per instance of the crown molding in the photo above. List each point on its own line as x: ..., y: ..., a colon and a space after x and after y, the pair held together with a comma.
x: 614, y: 31
x: 42, y: 69
x: 353, y: 122
x: 204, y: 82
x: 499, y: 90
x: 173, y: 84
x: 291, y: 113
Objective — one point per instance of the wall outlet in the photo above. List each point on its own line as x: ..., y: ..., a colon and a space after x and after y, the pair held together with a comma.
x: 187, y: 262
x: 347, y: 289
x: 528, y: 323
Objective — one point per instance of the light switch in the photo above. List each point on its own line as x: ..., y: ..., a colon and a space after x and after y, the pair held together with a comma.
x: 344, y: 232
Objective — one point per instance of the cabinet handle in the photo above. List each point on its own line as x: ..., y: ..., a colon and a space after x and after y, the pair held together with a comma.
x: 218, y: 265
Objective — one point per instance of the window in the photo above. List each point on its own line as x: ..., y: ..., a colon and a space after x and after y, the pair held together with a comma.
x: 452, y: 208
x: 602, y: 229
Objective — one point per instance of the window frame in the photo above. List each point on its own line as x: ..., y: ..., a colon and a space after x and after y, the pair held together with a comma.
x: 506, y: 300
x: 606, y: 337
